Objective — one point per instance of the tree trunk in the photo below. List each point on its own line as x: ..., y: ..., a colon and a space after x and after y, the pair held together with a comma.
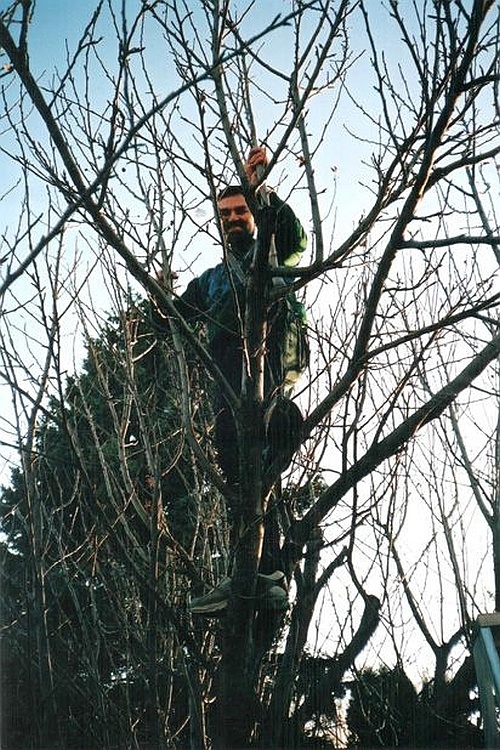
x: 240, y: 702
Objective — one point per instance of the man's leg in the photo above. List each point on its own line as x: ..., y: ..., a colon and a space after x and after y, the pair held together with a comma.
x: 273, y: 532
x: 226, y: 442
x: 283, y: 432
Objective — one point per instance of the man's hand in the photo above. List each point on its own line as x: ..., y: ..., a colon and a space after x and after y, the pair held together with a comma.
x: 256, y: 158
x: 166, y: 279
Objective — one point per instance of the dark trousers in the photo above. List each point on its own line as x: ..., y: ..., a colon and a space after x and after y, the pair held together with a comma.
x: 228, y: 357
x: 280, y: 434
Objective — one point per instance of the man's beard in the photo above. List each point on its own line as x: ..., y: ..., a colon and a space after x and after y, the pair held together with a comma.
x: 240, y: 242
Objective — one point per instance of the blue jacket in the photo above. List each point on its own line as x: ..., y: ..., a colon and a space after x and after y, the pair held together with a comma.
x: 210, y: 297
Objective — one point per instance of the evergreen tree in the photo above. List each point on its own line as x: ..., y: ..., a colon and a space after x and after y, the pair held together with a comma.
x: 385, y: 710
x: 108, y: 527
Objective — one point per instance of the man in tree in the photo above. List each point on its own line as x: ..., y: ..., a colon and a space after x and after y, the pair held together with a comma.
x: 217, y: 298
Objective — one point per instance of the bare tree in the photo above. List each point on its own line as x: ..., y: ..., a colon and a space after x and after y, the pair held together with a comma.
x: 401, y: 284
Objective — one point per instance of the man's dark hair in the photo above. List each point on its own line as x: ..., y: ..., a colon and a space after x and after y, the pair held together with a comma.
x: 230, y: 190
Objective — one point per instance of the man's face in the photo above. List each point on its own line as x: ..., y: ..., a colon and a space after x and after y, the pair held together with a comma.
x: 237, y: 220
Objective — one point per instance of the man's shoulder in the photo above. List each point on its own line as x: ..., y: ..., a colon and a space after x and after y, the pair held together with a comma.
x: 213, y: 280
x: 213, y: 272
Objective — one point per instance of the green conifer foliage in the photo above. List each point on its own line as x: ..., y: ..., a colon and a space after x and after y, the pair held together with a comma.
x: 109, y: 523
